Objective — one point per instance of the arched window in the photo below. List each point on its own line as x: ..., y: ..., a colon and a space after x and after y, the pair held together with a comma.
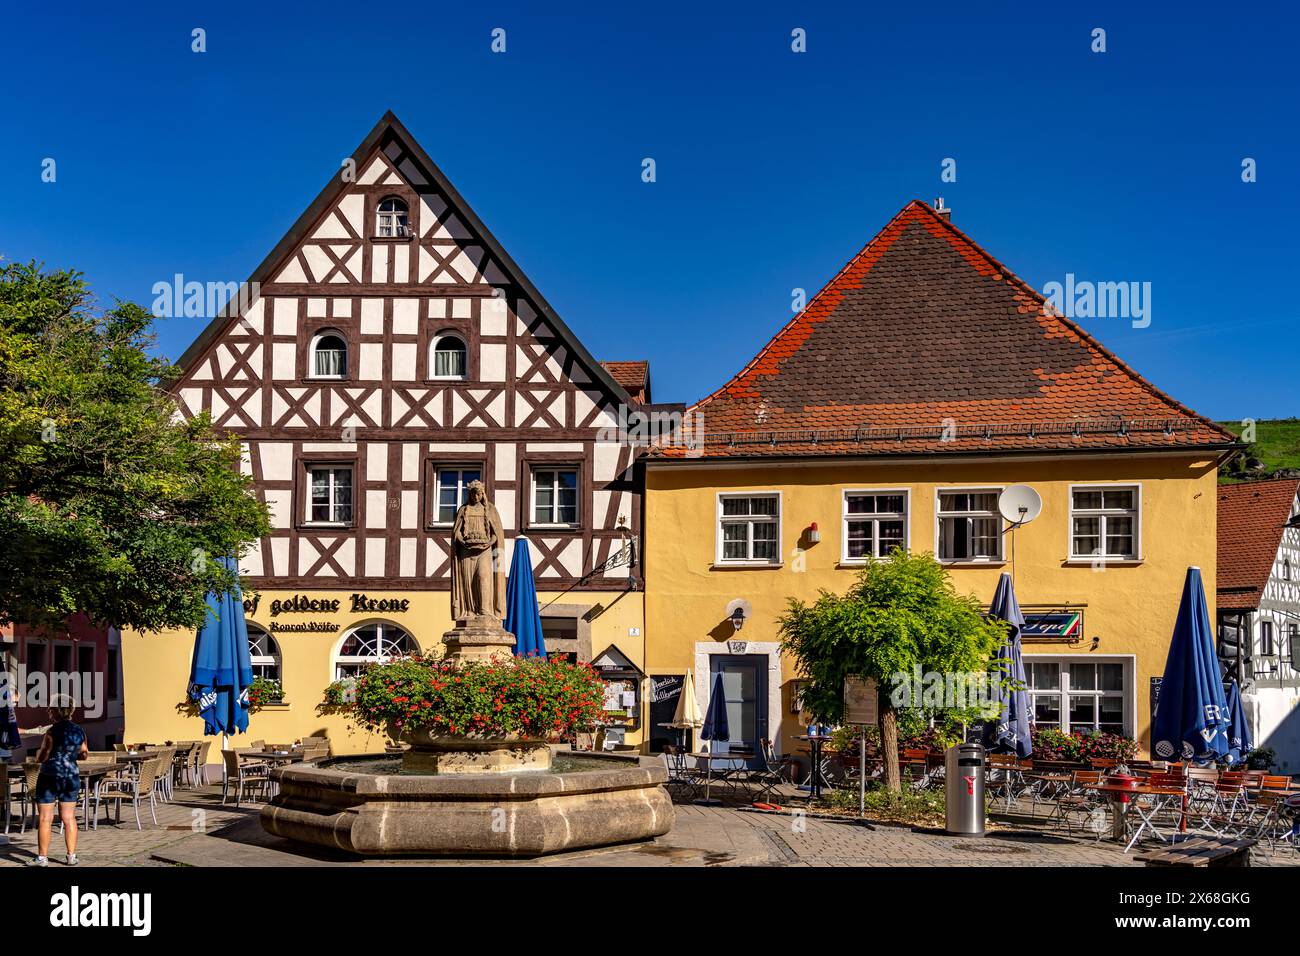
x: 329, y: 355
x: 393, y: 220
x: 263, y: 653
x: 371, y: 643
x: 449, y: 357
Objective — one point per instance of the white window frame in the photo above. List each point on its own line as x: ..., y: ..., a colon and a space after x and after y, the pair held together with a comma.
x: 1103, y: 513
x: 396, y: 221
x: 1128, y: 694
x: 720, y: 520
x: 532, y: 496
x: 433, y: 357
x: 332, y: 522
x: 845, y: 518
x: 311, y: 355
x: 940, y: 514
x: 273, y: 660
x: 382, y: 641
x: 461, y: 488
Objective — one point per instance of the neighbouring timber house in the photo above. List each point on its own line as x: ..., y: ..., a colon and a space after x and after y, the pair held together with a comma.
x: 1259, y: 608
x: 391, y: 353
x: 920, y: 382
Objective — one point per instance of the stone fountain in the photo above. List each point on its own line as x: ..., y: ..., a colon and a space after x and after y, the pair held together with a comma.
x: 471, y: 796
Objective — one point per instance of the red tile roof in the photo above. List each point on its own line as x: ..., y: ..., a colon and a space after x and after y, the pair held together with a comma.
x: 1251, y: 520
x: 633, y: 376
x: 924, y: 343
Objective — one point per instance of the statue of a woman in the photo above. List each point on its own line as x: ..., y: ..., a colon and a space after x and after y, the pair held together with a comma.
x: 478, y: 589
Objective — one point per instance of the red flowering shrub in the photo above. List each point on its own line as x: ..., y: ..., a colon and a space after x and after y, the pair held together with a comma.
x: 529, y: 696
x: 1051, y: 743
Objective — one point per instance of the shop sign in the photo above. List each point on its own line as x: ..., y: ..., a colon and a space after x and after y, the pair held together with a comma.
x: 358, y: 604
x: 308, y: 627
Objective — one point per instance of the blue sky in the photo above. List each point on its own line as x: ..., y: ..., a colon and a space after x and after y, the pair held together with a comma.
x: 773, y: 168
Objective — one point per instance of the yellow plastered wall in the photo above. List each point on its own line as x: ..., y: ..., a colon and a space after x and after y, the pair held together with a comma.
x: 156, y: 667
x: 1129, y: 609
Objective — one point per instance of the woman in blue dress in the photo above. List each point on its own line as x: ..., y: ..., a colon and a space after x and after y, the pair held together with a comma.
x: 58, y: 782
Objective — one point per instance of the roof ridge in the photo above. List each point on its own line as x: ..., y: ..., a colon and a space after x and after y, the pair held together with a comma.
x: 1091, y: 341
x: 804, y: 311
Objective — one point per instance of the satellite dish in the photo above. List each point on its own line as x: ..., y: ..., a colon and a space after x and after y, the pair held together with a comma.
x: 1020, y: 504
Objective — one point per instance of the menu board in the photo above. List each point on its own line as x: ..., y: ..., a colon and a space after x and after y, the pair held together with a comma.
x: 665, y: 692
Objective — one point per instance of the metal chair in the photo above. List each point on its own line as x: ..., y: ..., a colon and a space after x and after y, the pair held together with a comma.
x: 135, y: 788
x: 244, y: 775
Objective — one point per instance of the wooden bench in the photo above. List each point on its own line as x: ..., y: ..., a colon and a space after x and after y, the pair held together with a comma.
x: 1201, y: 851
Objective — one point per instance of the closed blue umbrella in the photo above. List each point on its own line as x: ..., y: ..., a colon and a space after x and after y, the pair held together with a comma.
x: 221, y: 672
x: 523, y: 619
x: 1011, y: 732
x: 1240, y: 742
x: 715, y: 728
x: 1192, y: 715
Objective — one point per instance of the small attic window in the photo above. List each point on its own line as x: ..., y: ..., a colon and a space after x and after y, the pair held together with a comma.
x: 392, y: 219
x: 449, y: 357
x: 329, y: 355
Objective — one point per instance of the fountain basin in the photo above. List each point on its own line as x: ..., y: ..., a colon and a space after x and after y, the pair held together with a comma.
x: 521, y: 814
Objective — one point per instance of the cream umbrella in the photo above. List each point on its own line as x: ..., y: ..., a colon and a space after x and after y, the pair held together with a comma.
x: 687, y: 716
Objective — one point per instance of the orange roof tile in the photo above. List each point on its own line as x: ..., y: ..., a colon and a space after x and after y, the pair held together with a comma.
x: 1252, y: 516
x: 924, y: 343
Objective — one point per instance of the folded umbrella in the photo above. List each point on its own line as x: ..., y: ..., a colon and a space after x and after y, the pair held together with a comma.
x: 1240, y: 742
x: 221, y: 671
x: 1011, y: 732
x: 715, y: 728
x: 523, y: 617
x: 1191, y: 718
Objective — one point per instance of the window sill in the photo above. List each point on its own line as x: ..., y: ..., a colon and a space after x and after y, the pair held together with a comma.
x: 745, y: 565
x: 281, y: 705
x: 326, y: 526
x: 551, y: 528
x: 392, y: 238
x: 973, y: 562
x: 1106, y: 562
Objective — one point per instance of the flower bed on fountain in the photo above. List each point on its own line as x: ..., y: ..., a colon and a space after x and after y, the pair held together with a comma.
x: 474, y: 777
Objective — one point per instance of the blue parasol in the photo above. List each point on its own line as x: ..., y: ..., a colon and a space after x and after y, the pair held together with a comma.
x: 221, y: 672
x: 1011, y: 732
x: 1239, y: 739
x: 1192, y: 716
x: 523, y: 619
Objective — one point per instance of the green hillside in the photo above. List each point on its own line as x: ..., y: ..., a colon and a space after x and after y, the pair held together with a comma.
x: 1276, y: 448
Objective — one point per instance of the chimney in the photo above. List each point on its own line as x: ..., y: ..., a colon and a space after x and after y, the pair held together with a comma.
x: 942, y: 211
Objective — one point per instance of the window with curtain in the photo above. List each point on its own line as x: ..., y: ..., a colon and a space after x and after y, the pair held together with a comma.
x: 449, y: 357
x: 970, y: 526
x: 329, y: 356
x: 392, y: 218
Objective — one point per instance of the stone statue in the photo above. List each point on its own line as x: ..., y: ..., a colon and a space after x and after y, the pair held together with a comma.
x: 478, y: 589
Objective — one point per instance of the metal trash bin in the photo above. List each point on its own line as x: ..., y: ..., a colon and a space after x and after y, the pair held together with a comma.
x: 963, y: 784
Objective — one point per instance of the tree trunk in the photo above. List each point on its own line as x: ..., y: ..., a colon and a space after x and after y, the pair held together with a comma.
x: 889, y: 746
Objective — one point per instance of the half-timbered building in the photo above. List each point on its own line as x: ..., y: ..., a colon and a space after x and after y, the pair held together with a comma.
x: 388, y: 352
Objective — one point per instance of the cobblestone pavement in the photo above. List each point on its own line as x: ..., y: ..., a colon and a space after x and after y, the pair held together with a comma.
x: 195, y: 830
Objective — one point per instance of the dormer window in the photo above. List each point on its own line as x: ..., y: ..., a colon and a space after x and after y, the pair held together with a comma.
x: 449, y: 357
x: 329, y: 355
x: 392, y: 219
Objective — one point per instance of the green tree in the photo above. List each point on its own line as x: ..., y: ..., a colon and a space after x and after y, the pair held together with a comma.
x: 901, y: 613
x: 111, y: 503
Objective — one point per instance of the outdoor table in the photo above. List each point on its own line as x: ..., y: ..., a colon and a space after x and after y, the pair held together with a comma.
x: 1119, y: 809
x: 274, y: 756
x: 712, y: 757
x: 816, y: 779
x: 89, y: 773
